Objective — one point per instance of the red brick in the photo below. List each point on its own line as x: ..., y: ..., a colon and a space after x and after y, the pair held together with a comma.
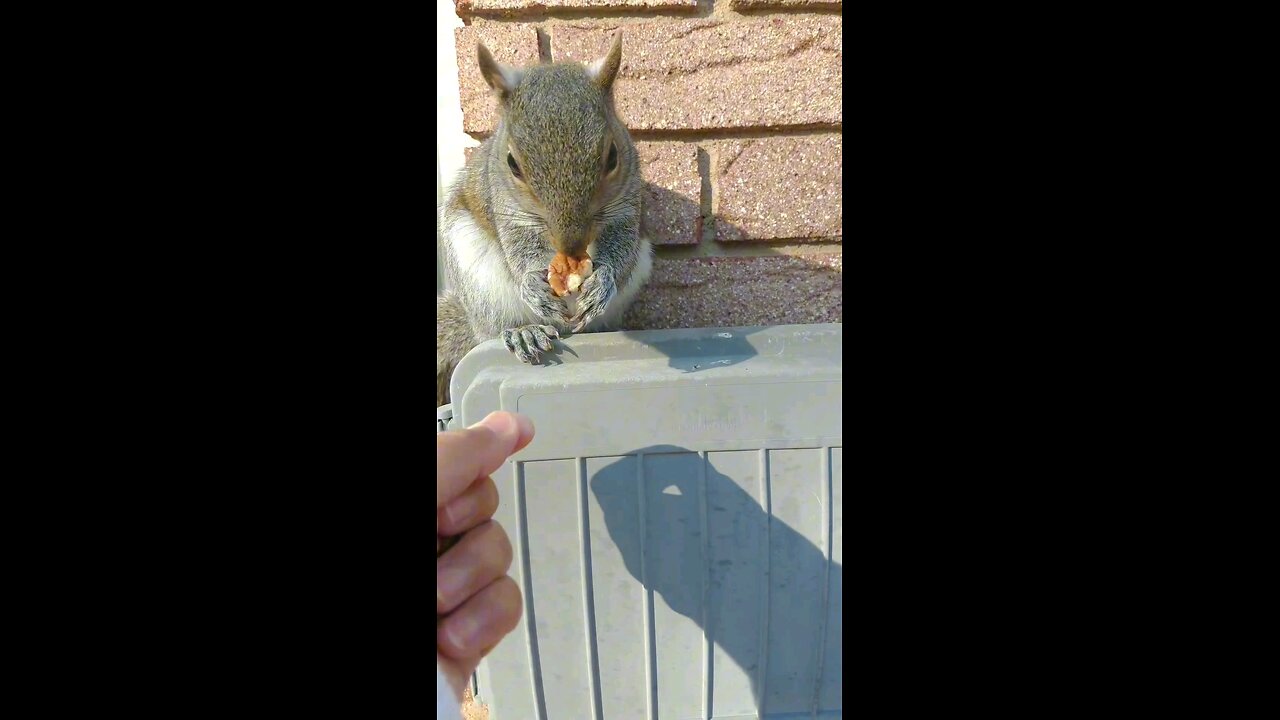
x: 727, y: 292
x: 789, y: 4
x: 777, y: 188
x: 712, y: 73
x: 511, y: 44
x: 672, y: 192
x: 515, y: 7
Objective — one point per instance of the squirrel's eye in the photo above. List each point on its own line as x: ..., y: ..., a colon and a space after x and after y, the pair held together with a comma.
x: 511, y: 163
x: 612, y: 162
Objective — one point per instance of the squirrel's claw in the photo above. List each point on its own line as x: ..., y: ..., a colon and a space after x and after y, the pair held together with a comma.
x: 529, y: 342
x: 580, y: 320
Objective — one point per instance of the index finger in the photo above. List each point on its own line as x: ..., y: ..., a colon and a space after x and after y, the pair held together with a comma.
x: 463, y: 456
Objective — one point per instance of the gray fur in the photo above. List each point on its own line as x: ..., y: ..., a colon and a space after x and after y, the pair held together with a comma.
x: 500, y: 233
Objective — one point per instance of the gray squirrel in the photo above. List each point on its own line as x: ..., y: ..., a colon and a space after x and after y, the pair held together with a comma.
x: 558, y: 175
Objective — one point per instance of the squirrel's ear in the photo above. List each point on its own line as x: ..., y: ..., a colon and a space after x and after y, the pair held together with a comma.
x: 502, y: 78
x: 604, y: 70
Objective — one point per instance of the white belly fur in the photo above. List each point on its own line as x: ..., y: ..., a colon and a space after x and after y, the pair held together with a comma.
x: 481, y: 263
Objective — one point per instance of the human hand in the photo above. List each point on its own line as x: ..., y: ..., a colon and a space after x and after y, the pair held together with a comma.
x: 477, y: 603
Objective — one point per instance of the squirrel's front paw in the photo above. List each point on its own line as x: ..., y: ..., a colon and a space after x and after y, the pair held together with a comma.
x: 536, y: 292
x: 529, y: 342
x: 597, y: 291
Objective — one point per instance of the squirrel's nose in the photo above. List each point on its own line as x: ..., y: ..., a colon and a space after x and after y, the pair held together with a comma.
x: 571, y: 239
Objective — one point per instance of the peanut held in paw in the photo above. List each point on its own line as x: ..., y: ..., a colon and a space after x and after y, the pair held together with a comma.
x: 566, y: 274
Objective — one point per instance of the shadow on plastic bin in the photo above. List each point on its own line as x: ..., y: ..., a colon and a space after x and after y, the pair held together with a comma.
x: 729, y: 346
x: 744, y: 553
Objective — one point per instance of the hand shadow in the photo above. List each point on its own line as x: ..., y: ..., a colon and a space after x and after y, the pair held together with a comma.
x: 754, y: 585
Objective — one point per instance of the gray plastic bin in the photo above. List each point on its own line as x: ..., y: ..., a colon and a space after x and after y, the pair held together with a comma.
x: 677, y: 524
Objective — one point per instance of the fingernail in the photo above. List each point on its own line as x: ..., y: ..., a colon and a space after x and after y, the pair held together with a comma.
x: 462, y: 631
x: 523, y: 424
x: 449, y: 583
x: 507, y: 424
x: 499, y: 422
x: 461, y: 510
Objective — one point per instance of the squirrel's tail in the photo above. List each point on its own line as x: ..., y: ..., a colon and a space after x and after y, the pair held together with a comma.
x: 454, y: 339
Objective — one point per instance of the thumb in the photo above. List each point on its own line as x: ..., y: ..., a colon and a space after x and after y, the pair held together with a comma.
x: 464, y: 456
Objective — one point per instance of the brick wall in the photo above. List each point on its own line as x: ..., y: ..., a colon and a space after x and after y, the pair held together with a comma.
x: 735, y: 107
